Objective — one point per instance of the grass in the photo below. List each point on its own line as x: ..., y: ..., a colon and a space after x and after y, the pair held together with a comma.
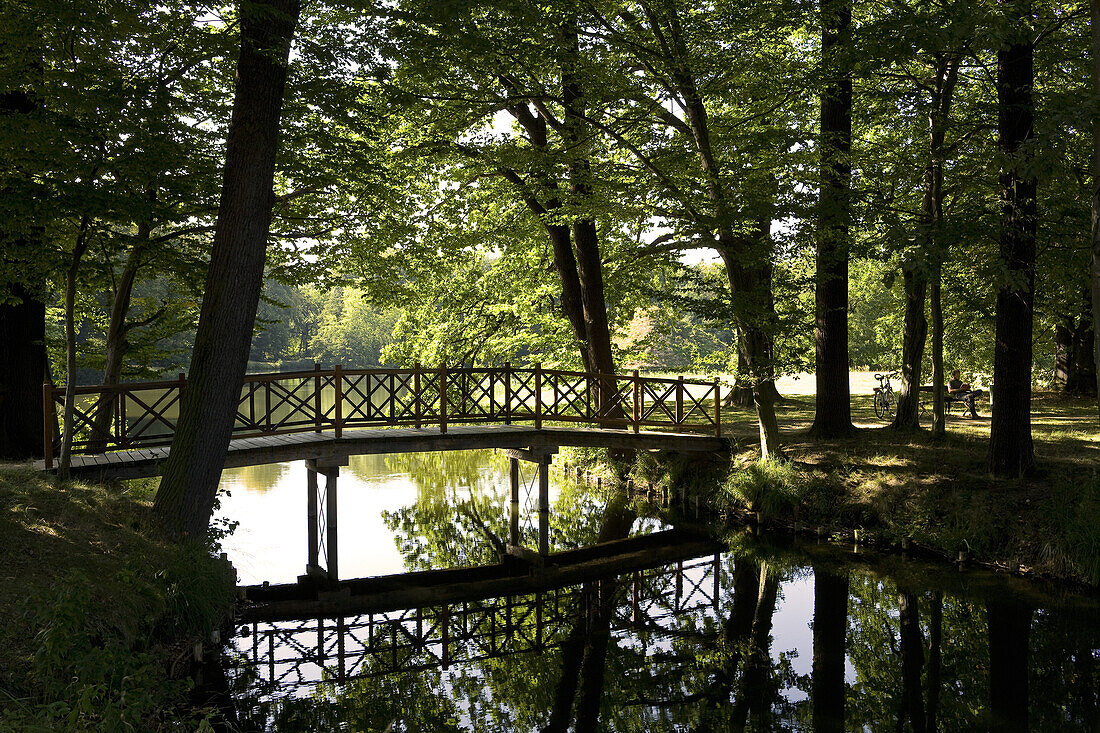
x: 938, y: 493
x: 99, y: 612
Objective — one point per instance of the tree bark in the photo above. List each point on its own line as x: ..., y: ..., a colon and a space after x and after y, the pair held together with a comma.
x: 833, y: 416
x: 939, y: 386
x: 1094, y: 8
x: 827, y: 689
x: 1011, y: 452
x: 116, y: 344
x: 928, y: 264
x: 23, y: 370
x: 185, y: 499
x: 1009, y: 637
x: 585, y: 236
x: 68, y: 411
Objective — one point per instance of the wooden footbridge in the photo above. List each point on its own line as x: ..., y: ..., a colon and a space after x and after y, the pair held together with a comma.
x: 326, y: 416
x: 123, y: 431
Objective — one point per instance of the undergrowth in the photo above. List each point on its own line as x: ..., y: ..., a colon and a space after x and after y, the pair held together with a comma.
x: 99, y: 631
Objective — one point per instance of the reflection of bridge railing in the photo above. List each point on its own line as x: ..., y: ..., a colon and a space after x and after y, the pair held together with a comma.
x: 143, y: 414
x: 293, y: 653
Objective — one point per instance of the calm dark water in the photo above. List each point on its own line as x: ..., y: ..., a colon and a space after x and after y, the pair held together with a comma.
x: 748, y: 635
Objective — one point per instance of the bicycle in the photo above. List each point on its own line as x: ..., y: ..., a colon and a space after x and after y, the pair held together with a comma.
x: 885, y: 399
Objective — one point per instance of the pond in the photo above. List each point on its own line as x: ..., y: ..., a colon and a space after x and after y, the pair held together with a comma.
x: 747, y: 634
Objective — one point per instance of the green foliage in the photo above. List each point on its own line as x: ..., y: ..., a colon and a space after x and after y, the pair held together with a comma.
x: 771, y: 487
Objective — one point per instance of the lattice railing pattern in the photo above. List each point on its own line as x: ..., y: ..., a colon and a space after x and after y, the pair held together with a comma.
x: 115, y: 417
x: 295, y: 653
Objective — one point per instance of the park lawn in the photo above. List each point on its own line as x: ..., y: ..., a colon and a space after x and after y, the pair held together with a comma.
x: 98, y: 611
x: 938, y: 493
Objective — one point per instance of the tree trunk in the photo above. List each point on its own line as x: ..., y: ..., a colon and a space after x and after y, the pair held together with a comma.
x: 116, y: 347
x: 185, y: 499
x: 827, y: 690
x: 23, y: 370
x: 833, y: 416
x: 912, y: 660
x: 939, y: 388
x: 1011, y: 452
x: 1094, y: 7
x: 1063, y: 352
x: 585, y: 237
x: 915, y: 333
x: 68, y: 411
x: 749, y: 274
x: 929, y: 264
x: 1009, y: 637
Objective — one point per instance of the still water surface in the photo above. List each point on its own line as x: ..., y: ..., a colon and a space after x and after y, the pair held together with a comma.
x: 749, y: 637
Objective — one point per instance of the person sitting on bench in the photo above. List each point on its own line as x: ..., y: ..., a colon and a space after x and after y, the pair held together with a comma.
x: 960, y: 391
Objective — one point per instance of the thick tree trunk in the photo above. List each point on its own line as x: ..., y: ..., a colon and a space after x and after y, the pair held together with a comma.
x: 585, y: 236
x: 1009, y: 637
x: 827, y: 690
x: 912, y: 660
x: 185, y: 499
x: 912, y: 350
x: 1094, y: 7
x: 23, y: 370
x: 833, y: 416
x: 1011, y: 452
x: 749, y: 276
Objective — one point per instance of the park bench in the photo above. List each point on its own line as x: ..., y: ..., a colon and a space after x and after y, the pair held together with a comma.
x: 967, y: 399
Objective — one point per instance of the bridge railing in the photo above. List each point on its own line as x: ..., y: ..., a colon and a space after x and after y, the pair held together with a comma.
x: 144, y: 414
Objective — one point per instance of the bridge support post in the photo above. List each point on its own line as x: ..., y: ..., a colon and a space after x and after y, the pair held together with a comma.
x: 312, y: 539
x: 541, y: 457
x: 322, y: 522
x: 331, y: 524
x: 544, y: 506
x: 513, y: 514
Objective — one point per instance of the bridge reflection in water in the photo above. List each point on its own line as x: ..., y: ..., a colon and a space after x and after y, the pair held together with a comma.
x: 297, y: 653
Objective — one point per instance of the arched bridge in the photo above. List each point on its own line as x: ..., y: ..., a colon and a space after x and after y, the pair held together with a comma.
x: 124, y: 430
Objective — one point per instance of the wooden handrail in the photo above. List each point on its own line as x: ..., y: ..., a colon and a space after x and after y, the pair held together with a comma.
x: 291, y: 402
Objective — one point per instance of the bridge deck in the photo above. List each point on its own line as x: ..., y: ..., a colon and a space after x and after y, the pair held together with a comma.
x: 327, y: 447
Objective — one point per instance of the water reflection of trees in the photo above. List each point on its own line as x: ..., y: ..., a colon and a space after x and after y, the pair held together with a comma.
x: 924, y: 660
x: 259, y: 478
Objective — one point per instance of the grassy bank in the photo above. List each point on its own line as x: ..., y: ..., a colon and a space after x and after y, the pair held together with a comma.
x: 100, y: 614
x: 938, y: 494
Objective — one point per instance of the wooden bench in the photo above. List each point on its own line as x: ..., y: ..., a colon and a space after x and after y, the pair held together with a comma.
x: 968, y: 398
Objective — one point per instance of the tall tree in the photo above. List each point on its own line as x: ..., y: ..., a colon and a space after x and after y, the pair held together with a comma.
x: 833, y: 401
x: 1094, y: 7
x: 1011, y: 452
x: 185, y: 498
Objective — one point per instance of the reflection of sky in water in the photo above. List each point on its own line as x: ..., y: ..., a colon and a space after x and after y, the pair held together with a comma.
x: 269, y: 503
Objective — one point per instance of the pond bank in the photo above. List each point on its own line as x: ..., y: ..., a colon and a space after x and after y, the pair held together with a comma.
x: 934, y: 497
x: 101, y: 615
